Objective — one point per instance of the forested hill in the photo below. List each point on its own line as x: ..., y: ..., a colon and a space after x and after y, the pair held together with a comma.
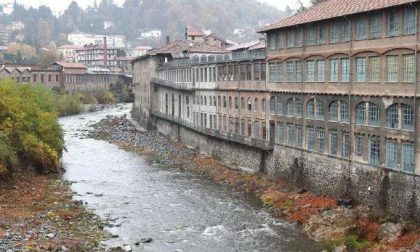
x: 136, y: 16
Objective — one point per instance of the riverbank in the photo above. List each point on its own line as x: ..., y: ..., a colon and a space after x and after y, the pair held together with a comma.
x: 344, y: 226
x: 38, y: 213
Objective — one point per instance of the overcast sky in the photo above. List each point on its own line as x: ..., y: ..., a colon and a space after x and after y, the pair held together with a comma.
x: 60, y: 5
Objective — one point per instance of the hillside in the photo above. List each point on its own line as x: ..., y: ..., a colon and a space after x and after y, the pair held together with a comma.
x: 136, y: 16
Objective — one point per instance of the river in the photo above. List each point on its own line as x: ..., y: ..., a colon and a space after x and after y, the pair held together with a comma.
x: 178, y: 210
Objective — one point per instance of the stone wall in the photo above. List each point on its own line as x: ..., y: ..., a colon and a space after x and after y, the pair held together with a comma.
x: 234, y: 155
x: 380, y: 189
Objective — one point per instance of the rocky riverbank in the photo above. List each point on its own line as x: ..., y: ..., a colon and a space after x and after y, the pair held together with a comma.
x: 38, y: 213
x: 337, y: 223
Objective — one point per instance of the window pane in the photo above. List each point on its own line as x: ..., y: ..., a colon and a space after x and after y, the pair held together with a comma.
x: 410, y: 21
x: 374, y: 115
x: 391, y: 154
x: 361, y: 29
x: 392, y: 68
x: 310, y: 71
x: 345, y: 114
x: 299, y: 135
x: 393, y: 24
x: 407, y: 117
x: 321, y: 35
x: 280, y: 133
x: 298, y: 72
x: 321, y: 70
x: 290, y: 71
x: 346, y: 145
x: 310, y: 36
x: 320, y: 136
x: 359, y: 145
x: 345, y: 69
x: 408, y: 157
x: 291, y: 38
x: 374, y: 151
x: 376, y: 26
x: 310, y: 109
x: 361, y: 114
x: 409, y: 68
x: 333, y: 111
x: 334, y: 70
x: 333, y: 142
x: 290, y: 134
x: 361, y: 69
x: 334, y: 35
x: 345, y: 31
x: 374, y: 69
x: 310, y: 138
x: 392, y: 117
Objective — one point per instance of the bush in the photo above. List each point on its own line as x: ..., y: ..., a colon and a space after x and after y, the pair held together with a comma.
x: 69, y: 104
x: 106, y: 98
x: 29, y: 130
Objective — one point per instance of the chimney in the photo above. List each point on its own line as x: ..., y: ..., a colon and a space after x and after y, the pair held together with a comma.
x: 105, y: 52
x: 168, y: 39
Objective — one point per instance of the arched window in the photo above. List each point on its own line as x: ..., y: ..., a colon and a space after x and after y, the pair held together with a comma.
x: 203, y: 58
x: 201, y: 100
x: 279, y: 106
x: 361, y: 113
x: 368, y: 113
x: 407, y: 117
x: 205, y: 100
x: 256, y: 104
x: 392, y: 116
x: 219, y: 101
x: 298, y: 107
x: 249, y: 104
x: 273, y: 105
x: 374, y: 115
x: 290, y: 107
x: 333, y: 111
x: 315, y: 109
x: 345, y: 113
x: 263, y: 105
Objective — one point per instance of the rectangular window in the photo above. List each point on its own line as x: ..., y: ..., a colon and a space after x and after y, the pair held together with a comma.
x: 321, y: 70
x: 361, y: 29
x: 375, y: 26
x: 290, y: 134
x: 359, y: 145
x: 345, y: 28
x: 392, y: 68
x: 298, y: 71
x: 374, y: 69
x: 280, y: 41
x: 310, y: 138
x: 299, y: 135
x: 280, y: 133
x: 345, y: 70
x: 256, y: 129
x: 391, y: 154
x: 334, y: 35
x: 291, y: 38
x: 272, y: 42
x: 333, y: 142
x: 272, y: 68
x: 361, y: 69
x: 334, y: 70
x: 409, y: 68
x: 290, y: 71
x: 320, y: 135
x: 321, y: 35
x: 279, y: 71
x: 408, y: 161
x: 410, y: 21
x: 346, y: 145
x: 263, y: 71
x: 249, y: 72
x: 310, y: 71
x: 393, y: 24
x: 374, y: 151
x: 299, y: 38
x: 310, y: 36
x: 256, y: 71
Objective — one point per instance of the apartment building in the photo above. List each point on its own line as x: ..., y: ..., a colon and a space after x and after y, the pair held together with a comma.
x: 343, y: 78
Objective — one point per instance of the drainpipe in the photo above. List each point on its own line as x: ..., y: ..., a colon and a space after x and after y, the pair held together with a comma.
x: 351, y: 125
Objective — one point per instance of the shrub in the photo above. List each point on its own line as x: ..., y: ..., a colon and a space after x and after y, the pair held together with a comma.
x: 69, y: 104
x: 106, y: 98
x: 29, y: 130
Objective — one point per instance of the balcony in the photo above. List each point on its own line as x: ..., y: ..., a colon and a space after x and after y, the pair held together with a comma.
x: 235, y: 138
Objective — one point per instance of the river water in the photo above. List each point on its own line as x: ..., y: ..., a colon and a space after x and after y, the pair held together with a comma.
x: 179, y: 211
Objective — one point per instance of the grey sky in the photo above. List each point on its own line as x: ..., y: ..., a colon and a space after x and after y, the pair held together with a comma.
x: 60, y: 5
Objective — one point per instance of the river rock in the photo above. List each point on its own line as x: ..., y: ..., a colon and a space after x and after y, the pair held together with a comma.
x: 330, y: 225
x: 127, y: 248
x: 389, y: 232
x: 342, y: 248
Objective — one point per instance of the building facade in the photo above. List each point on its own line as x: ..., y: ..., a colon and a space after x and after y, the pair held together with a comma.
x: 97, y: 56
x: 82, y: 39
x: 330, y: 103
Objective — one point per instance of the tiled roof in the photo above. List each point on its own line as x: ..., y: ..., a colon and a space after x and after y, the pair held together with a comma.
x: 205, y: 48
x: 243, y: 46
x: 261, y: 45
x: 173, y: 47
x: 334, y: 8
x: 214, y: 35
x: 70, y: 65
